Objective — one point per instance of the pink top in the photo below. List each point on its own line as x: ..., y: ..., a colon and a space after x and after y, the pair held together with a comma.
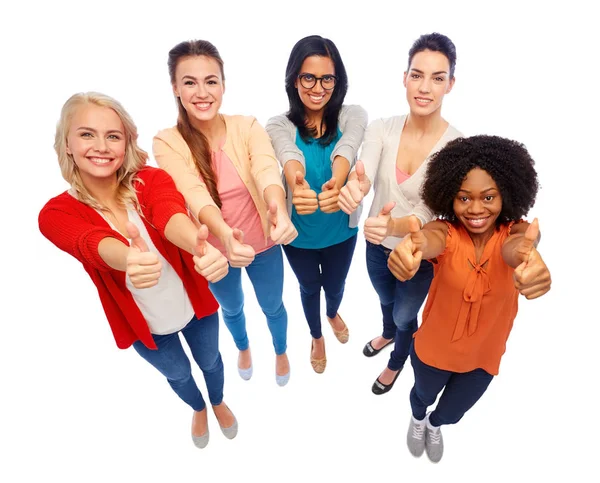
x: 237, y: 208
x: 401, y: 176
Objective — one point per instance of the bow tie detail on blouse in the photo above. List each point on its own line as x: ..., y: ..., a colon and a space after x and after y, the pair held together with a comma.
x: 478, y: 284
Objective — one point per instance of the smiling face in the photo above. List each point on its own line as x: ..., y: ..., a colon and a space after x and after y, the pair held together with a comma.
x: 316, y: 98
x: 97, y: 142
x: 200, y: 86
x: 427, y: 81
x: 478, y: 203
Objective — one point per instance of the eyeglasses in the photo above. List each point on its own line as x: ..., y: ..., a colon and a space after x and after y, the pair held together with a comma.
x: 308, y: 81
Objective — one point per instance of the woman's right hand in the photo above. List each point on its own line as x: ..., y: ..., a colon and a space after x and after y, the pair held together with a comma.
x: 352, y: 194
x: 143, y: 266
x: 238, y: 254
x: 303, y: 198
x: 208, y: 261
x: 405, y: 259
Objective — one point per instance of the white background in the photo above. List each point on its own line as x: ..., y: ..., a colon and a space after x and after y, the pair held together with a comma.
x: 74, y: 408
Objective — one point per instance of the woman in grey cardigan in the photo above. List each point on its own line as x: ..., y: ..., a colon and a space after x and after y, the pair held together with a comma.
x: 316, y: 142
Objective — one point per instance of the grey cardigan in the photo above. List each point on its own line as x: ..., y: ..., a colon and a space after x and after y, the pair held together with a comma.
x: 352, y: 122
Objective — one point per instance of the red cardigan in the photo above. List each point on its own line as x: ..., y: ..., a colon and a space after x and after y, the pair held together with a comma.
x: 78, y: 229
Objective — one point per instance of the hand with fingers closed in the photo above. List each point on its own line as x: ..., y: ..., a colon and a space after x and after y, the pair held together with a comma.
x: 378, y: 228
x: 143, y: 266
x: 531, y: 276
x: 303, y: 197
x: 352, y: 194
x: 328, y: 197
x: 282, y: 229
x: 405, y: 259
x: 239, y: 254
x: 208, y: 261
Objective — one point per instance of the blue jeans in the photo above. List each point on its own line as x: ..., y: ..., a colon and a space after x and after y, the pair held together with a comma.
x: 266, y: 275
x: 202, y: 336
x: 400, y: 301
x: 322, y: 267
x: 461, y: 391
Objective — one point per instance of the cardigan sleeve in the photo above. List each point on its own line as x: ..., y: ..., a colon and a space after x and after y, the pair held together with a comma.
x: 372, y: 148
x: 353, y: 123
x: 282, y: 133
x: 173, y: 155
x: 159, y: 198
x: 263, y: 163
x: 74, y: 234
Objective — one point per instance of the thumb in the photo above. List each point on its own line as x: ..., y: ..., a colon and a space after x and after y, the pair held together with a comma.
x: 329, y: 185
x: 299, y: 177
x: 413, y: 224
x: 387, y: 208
x: 360, y: 171
x: 136, y: 239
x: 238, y: 235
x: 531, y: 234
x: 201, y: 238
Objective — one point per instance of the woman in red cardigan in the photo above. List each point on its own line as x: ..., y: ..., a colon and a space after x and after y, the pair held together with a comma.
x: 128, y: 225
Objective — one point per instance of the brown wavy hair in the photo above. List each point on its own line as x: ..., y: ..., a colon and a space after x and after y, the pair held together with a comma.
x: 195, y: 140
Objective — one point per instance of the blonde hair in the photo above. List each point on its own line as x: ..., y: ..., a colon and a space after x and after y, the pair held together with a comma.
x: 134, y: 160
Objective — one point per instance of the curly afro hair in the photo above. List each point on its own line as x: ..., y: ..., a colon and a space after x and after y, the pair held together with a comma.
x: 506, y: 161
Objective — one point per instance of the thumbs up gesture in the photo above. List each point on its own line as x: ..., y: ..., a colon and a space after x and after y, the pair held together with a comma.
x: 531, y: 276
x: 406, y: 258
x: 282, y: 229
x: 355, y: 190
x: 143, y: 266
x: 238, y: 253
x: 208, y: 261
x: 303, y: 198
x: 328, y: 197
x: 378, y: 228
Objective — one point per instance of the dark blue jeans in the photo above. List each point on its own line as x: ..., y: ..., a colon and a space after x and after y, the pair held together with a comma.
x: 321, y: 267
x: 400, y: 301
x: 461, y: 391
x: 202, y: 337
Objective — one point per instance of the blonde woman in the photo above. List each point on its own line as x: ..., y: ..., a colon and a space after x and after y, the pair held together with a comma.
x: 226, y: 170
x: 128, y: 226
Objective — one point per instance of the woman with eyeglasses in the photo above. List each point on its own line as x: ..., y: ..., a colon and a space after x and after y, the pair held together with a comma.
x: 394, y: 160
x: 226, y: 170
x: 316, y: 142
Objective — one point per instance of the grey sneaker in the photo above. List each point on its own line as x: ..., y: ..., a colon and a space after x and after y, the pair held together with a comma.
x: 415, y: 438
x: 434, y: 443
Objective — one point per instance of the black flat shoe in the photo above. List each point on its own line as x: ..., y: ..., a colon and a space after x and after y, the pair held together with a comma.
x: 381, y: 388
x: 369, y: 351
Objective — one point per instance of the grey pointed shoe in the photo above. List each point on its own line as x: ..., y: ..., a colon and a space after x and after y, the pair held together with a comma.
x: 201, y: 441
x: 231, y: 431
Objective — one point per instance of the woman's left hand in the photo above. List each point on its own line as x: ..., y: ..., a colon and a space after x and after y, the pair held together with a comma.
x: 282, y: 229
x: 328, y: 197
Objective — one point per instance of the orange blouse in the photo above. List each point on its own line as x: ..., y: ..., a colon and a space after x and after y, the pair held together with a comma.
x: 471, y: 306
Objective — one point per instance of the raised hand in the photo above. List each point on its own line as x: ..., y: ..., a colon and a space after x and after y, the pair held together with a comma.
x: 532, y: 277
x: 143, y: 266
x: 378, y: 228
x: 328, y: 197
x: 238, y: 254
x: 208, y: 261
x: 354, y: 191
x: 282, y: 229
x: 405, y: 259
x: 303, y: 198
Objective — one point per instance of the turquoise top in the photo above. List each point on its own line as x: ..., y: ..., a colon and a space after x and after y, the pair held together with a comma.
x: 319, y: 230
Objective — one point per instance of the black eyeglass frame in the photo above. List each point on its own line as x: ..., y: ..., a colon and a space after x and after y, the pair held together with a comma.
x: 301, y: 78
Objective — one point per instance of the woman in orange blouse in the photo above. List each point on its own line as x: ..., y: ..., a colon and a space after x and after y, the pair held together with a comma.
x: 483, y: 256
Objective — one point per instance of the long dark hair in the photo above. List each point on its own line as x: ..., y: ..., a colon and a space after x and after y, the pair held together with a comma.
x: 195, y: 140
x: 306, y: 47
x: 436, y: 43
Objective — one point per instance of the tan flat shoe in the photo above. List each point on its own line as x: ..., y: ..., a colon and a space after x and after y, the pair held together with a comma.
x: 318, y: 365
x: 341, y: 335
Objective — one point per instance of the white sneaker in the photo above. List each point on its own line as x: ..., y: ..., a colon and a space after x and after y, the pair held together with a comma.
x: 415, y: 438
x: 434, y: 443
